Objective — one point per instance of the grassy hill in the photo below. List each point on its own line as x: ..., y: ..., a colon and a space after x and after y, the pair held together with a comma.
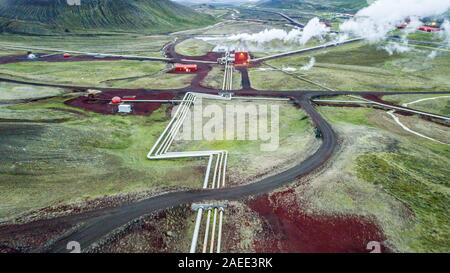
x: 317, y: 5
x: 56, y: 16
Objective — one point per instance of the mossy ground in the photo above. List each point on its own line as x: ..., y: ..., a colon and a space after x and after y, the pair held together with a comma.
x: 383, y: 172
x: 363, y: 67
x: 84, y: 156
x: 123, y: 74
x: 119, y: 43
x: 193, y: 47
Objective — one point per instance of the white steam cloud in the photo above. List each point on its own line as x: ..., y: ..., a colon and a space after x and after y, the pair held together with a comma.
x: 446, y: 31
x: 289, y: 69
x: 309, y: 65
x: 314, y: 29
x: 376, y: 21
x: 267, y: 35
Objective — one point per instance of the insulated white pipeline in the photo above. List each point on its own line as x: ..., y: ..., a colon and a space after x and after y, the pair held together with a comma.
x: 230, y: 82
x: 174, y: 129
x: 327, y: 45
x: 224, y: 169
x: 208, y: 170
x: 177, y: 126
x: 8, y: 46
x: 219, y: 184
x: 220, y: 181
x: 213, y: 231
x: 165, y: 140
x: 157, y: 143
x: 344, y: 101
x: 216, y: 177
x: 216, y: 184
x: 227, y: 83
x: 225, y: 75
x: 85, y: 53
x: 215, y: 171
x: 218, y: 157
x: 219, y: 235
x: 196, y: 230
x: 205, y: 239
x: 260, y: 98
x: 149, y: 101
x: 172, y: 155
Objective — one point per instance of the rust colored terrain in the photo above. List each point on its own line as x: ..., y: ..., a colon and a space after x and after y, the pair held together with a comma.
x: 102, y: 102
x: 290, y: 229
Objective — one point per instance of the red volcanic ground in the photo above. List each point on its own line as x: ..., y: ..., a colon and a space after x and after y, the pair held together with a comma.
x: 102, y: 102
x: 76, y: 58
x: 12, y: 59
x: 292, y: 230
x: 200, y: 75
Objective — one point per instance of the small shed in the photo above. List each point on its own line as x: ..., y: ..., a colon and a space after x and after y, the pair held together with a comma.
x: 31, y: 56
x: 429, y: 29
x: 125, y: 108
x: 241, y: 58
x: 186, y: 68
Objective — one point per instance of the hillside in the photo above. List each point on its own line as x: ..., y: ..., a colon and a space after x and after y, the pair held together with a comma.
x: 56, y: 16
x: 317, y: 5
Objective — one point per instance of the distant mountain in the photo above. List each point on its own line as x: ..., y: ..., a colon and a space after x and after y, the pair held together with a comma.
x: 216, y: 1
x: 55, y: 16
x: 318, y: 5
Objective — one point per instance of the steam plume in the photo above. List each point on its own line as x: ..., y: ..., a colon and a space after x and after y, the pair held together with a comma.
x: 309, y: 65
x: 314, y: 29
x: 376, y: 21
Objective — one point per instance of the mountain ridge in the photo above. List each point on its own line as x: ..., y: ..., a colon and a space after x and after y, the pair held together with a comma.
x: 56, y: 16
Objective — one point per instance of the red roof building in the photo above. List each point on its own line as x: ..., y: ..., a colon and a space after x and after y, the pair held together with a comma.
x: 241, y: 58
x: 429, y: 29
x: 186, y: 68
x: 116, y: 100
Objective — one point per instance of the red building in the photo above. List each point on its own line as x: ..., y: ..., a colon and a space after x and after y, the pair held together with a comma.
x: 241, y: 58
x: 116, y: 100
x: 186, y: 68
x: 429, y: 29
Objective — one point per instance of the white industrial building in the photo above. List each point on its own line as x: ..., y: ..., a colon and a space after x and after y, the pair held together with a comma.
x: 125, y: 108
